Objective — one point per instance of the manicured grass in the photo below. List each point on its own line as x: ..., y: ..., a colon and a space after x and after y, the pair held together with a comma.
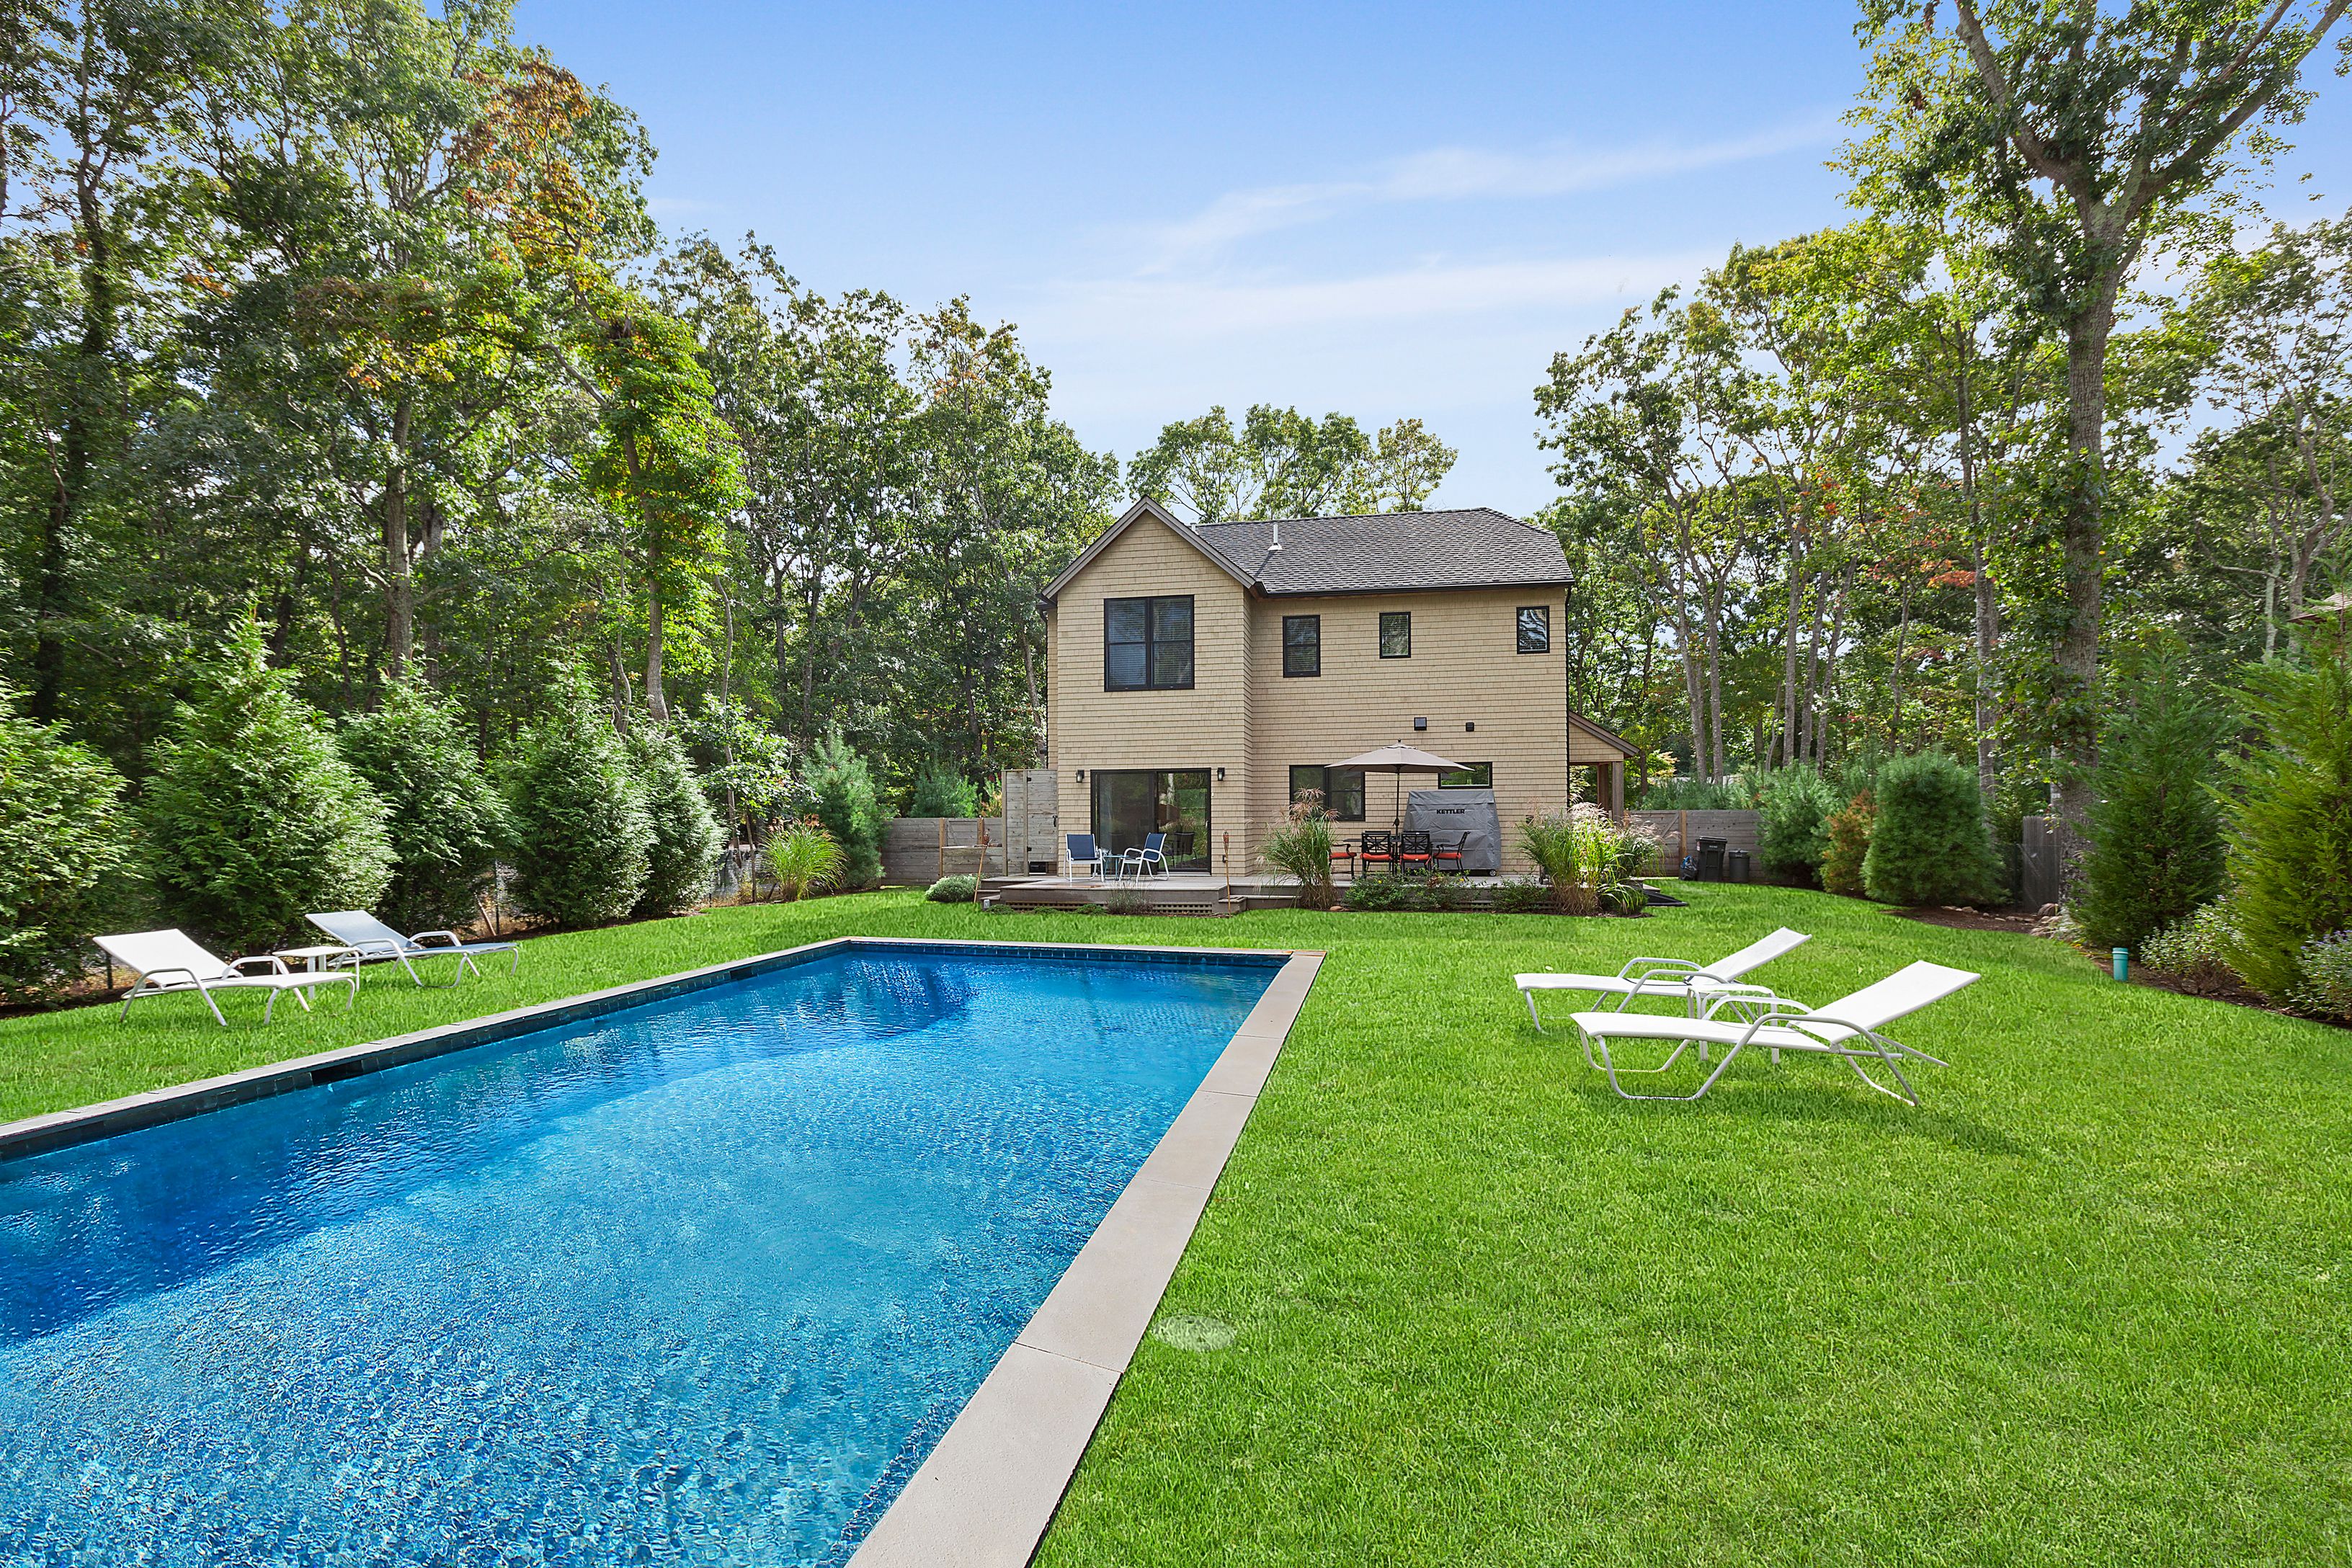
x: 2091, y: 1305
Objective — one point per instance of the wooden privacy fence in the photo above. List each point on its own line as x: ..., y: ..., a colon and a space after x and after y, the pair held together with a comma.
x: 918, y: 851
x: 1678, y: 833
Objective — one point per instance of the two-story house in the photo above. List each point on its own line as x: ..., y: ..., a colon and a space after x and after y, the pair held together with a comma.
x: 1201, y: 676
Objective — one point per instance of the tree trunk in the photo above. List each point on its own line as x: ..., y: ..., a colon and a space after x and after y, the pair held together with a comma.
x: 2077, y: 735
x: 1987, y: 633
x: 1895, y: 683
x: 87, y: 391
x: 1715, y: 678
x: 399, y: 581
x: 656, y: 699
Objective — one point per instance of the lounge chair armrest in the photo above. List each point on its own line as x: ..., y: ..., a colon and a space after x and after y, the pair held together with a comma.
x: 276, y: 964
x: 154, y: 974
x: 1655, y: 965
x: 419, y: 938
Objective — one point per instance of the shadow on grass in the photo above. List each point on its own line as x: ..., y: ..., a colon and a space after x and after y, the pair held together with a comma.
x: 1756, y: 1098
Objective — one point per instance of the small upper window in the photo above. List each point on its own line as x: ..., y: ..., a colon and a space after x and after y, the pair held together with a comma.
x: 1148, y: 643
x: 1534, y: 628
x: 1396, y: 633
x: 1302, y: 645
x: 1478, y: 775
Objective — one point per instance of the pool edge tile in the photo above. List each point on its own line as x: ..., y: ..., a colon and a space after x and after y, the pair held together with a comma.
x: 986, y: 1494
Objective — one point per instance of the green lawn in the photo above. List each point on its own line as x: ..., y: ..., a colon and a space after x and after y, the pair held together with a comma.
x: 2094, y: 1304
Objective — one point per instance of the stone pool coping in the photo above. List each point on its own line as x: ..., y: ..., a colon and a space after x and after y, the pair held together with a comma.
x: 985, y: 1495
x: 987, y: 1491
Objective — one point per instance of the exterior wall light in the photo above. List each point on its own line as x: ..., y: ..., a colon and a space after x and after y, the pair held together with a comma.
x: 1470, y: 728
x: 1421, y: 724
x: 1082, y: 775
x: 1221, y: 775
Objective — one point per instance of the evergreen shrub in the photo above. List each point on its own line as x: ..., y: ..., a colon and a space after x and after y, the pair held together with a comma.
x: 1928, y: 845
x: 443, y: 816
x: 2155, y: 850
x: 940, y: 791
x: 1793, y: 816
x: 578, y: 832
x: 2290, y: 830
x: 64, y: 838
x: 958, y: 890
x: 2326, y: 985
x: 253, y: 818
x: 841, y: 788
x: 1847, y: 834
x: 682, y: 845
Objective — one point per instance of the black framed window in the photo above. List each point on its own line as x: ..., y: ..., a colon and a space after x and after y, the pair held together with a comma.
x: 1148, y: 643
x: 1302, y: 645
x: 1534, y: 628
x: 1396, y: 633
x: 1342, y: 790
x: 1478, y: 775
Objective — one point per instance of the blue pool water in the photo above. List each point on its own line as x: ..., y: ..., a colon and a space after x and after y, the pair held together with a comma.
x: 699, y: 1282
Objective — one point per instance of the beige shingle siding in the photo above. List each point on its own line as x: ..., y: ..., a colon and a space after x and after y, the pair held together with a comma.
x: 1244, y: 716
x: 1464, y: 669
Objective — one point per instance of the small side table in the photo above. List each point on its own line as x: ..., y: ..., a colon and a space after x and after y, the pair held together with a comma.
x: 317, y: 958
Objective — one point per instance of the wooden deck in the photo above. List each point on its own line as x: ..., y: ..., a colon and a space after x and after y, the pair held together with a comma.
x: 1178, y: 892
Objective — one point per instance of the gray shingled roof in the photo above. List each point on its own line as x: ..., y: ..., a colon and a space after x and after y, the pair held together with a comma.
x: 1390, y: 552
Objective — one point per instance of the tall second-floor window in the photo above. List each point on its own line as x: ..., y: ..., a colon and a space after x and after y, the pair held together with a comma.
x: 1302, y: 645
x: 1534, y: 628
x: 1396, y: 633
x: 1148, y: 643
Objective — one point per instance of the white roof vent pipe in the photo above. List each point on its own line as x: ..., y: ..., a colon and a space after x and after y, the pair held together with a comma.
x: 1275, y: 548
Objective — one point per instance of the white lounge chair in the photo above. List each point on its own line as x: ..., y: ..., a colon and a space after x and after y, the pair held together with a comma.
x: 1674, y: 978
x: 1848, y: 1028
x: 370, y: 938
x: 169, y: 961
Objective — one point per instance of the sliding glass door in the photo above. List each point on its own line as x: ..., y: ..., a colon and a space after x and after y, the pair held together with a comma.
x: 1128, y: 805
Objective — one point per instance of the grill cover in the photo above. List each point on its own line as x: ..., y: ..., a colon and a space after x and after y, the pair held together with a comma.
x: 1444, y: 813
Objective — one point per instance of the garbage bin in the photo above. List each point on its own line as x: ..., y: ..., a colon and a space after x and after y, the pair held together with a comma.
x: 1710, y: 859
x: 1734, y: 865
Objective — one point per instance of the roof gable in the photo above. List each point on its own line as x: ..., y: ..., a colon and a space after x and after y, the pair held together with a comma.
x: 1142, y: 512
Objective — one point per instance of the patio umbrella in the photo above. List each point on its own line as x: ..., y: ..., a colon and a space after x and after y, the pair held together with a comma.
x: 1400, y: 759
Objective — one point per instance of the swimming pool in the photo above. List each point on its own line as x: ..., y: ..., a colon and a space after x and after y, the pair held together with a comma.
x: 699, y: 1281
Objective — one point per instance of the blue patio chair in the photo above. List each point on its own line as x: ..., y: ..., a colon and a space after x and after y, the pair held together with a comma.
x: 1083, y: 853
x: 1153, y: 855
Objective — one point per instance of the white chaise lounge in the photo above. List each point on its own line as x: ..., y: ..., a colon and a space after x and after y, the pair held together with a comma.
x: 169, y: 961
x: 1848, y: 1028
x: 370, y: 938
x: 1675, y: 979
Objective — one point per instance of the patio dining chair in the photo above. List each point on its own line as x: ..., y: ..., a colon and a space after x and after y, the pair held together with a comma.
x: 1343, y: 853
x: 1379, y: 849
x: 1414, y: 850
x: 1152, y: 858
x: 1083, y: 853
x: 1447, y: 857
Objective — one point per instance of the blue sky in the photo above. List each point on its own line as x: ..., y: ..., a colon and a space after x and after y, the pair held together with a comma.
x: 1378, y: 209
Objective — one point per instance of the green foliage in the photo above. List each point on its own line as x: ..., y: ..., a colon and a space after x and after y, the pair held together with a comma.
x: 940, y: 791
x: 1847, y: 832
x: 1588, y: 859
x: 2326, y: 985
x: 2289, y: 828
x: 1685, y: 793
x: 807, y: 860
x: 254, y: 819
x: 2194, y: 952
x: 957, y: 889
x: 1522, y: 897
x: 2155, y: 850
x: 843, y: 797
x: 684, y: 841
x: 1928, y: 845
x: 63, y: 837
x: 441, y: 815
x: 1794, y: 831
x: 577, y: 820
x: 1283, y: 463
x: 1299, y: 845
x: 1376, y: 893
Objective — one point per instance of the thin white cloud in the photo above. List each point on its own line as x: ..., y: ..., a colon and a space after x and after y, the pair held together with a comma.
x: 1159, y: 307
x: 1464, y: 174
